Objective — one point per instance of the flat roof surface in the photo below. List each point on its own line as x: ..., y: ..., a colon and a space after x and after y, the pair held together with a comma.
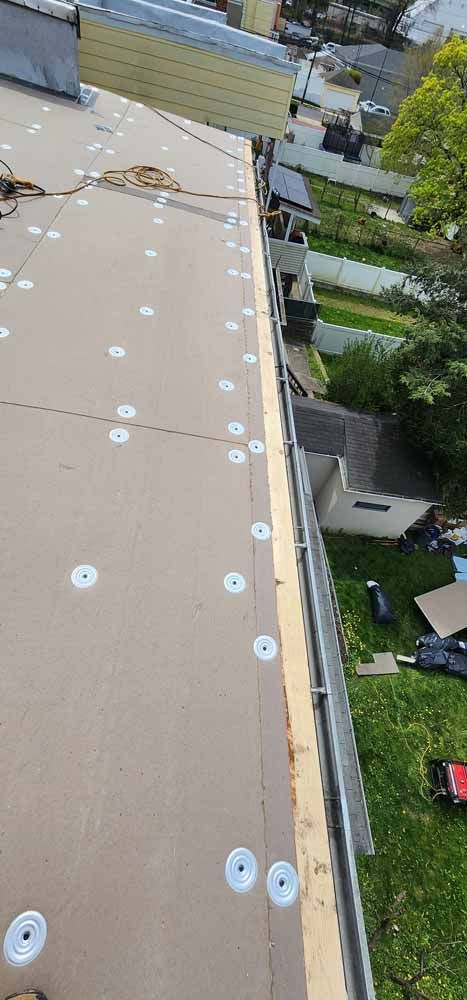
x: 143, y: 736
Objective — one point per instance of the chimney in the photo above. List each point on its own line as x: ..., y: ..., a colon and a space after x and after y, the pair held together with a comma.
x: 39, y: 44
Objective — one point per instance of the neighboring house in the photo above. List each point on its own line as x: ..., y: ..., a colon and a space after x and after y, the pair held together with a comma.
x: 312, y: 75
x: 426, y: 17
x: 261, y: 16
x: 383, y: 77
x: 182, y: 59
x: 365, y: 478
x: 340, y: 92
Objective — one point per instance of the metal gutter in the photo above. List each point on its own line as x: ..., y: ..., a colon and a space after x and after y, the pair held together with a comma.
x: 356, y: 957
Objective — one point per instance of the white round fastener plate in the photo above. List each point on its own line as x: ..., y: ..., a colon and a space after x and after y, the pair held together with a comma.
x: 119, y: 435
x: 84, y: 576
x: 237, y: 457
x: 235, y: 428
x: 241, y: 869
x: 261, y: 531
x: 25, y: 938
x: 265, y: 647
x: 235, y: 583
x: 117, y: 352
x: 282, y: 883
x: 126, y: 410
x: 257, y: 447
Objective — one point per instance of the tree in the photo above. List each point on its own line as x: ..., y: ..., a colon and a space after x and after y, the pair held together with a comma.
x: 429, y: 139
x: 363, y: 377
x: 418, y: 61
x: 393, y: 14
x: 430, y: 376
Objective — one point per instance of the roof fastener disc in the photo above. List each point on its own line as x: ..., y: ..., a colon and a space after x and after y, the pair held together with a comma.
x: 119, y: 435
x: 226, y: 385
x: 25, y: 938
x: 84, y: 576
x: 237, y: 457
x: 265, y: 647
x: 235, y: 428
x: 117, y: 352
x: 257, y: 447
x: 126, y: 410
x: 230, y: 325
x: 250, y: 358
x: 241, y: 869
x: 282, y: 883
x: 248, y: 312
x: 4, y: 331
x: 260, y: 530
x: 234, y: 583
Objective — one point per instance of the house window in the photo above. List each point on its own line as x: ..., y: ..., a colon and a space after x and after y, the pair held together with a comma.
x: 383, y: 507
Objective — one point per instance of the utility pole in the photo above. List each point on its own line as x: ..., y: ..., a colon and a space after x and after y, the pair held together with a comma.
x: 312, y: 63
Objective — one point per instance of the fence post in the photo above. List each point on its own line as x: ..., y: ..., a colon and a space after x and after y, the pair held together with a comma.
x: 338, y: 275
x: 377, y: 285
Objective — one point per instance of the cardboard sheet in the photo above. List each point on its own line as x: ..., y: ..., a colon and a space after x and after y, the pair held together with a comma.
x: 445, y: 608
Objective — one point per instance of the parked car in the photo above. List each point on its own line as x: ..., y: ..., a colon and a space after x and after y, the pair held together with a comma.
x: 374, y: 109
x: 330, y: 47
x: 311, y: 43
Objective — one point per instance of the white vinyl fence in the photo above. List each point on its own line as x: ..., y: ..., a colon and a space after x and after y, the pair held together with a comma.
x: 332, y: 339
x: 350, y: 274
x: 332, y: 165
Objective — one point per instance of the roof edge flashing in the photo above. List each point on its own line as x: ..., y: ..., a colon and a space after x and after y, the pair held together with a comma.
x: 193, y: 30
x: 53, y: 8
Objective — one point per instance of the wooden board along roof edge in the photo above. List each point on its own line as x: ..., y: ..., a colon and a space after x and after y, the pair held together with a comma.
x: 320, y: 927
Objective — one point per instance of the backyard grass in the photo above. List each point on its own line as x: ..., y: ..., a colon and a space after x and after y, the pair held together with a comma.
x: 358, y: 312
x: 362, y: 254
x: 401, y: 722
x: 360, y: 321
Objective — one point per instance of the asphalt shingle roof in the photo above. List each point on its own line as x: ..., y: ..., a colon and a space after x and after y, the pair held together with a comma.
x: 377, y: 457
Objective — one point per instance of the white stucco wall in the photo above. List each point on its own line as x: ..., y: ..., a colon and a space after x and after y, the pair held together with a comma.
x: 320, y: 468
x: 336, y: 511
x: 337, y: 99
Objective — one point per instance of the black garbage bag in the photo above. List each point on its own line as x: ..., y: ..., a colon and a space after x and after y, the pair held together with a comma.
x: 433, y: 641
x: 406, y: 545
x: 380, y: 604
x: 442, y: 659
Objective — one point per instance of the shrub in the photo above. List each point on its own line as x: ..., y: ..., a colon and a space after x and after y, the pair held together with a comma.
x: 364, y: 377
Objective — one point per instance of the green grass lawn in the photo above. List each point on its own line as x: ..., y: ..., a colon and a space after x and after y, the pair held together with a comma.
x: 365, y: 255
x: 402, y: 721
x: 360, y: 321
x: 359, y: 312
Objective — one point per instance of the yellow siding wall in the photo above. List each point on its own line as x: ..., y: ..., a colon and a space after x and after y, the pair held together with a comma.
x: 193, y: 82
x: 259, y: 16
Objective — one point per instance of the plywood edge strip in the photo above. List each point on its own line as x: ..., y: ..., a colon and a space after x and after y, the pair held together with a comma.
x: 320, y: 927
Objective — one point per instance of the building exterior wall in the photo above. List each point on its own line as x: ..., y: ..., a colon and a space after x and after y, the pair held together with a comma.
x: 336, y: 511
x: 338, y: 98
x: 259, y: 16
x: 320, y: 469
x: 193, y: 82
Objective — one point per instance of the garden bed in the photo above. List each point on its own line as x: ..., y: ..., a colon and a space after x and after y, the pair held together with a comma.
x: 402, y: 721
